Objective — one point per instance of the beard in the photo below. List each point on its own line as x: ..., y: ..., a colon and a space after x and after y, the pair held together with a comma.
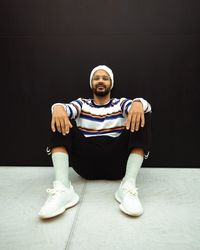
x: 101, y: 92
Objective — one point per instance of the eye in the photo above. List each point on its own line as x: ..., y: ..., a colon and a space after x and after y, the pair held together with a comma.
x: 106, y: 78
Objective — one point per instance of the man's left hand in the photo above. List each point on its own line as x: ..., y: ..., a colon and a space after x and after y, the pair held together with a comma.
x: 135, y: 117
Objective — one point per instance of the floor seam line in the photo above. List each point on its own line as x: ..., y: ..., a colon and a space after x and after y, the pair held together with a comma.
x: 76, y: 217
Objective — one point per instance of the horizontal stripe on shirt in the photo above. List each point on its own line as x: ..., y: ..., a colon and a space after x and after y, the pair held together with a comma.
x: 111, y: 132
x: 100, y: 118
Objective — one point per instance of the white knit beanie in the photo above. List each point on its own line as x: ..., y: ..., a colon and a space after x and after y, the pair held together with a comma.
x: 105, y: 68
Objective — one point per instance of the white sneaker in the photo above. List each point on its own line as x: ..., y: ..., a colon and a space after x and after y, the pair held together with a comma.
x: 127, y: 196
x: 59, y: 199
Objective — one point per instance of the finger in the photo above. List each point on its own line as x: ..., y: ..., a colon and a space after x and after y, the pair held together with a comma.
x: 66, y: 126
x: 137, y: 123
x: 53, y: 125
x: 128, y: 121
x: 70, y: 124
x: 142, y: 120
x: 58, y: 125
x: 133, y: 122
x: 62, y: 124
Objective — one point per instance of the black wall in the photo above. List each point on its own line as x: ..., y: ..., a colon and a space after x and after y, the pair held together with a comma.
x: 48, y: 49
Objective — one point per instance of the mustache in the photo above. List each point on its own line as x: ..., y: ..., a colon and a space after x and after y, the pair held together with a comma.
x: 100, y: 85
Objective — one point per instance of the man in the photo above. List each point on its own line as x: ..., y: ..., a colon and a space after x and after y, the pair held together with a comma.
x: 102, y: 138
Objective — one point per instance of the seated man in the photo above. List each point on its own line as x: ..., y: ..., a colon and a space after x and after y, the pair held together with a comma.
x: 102, y: 138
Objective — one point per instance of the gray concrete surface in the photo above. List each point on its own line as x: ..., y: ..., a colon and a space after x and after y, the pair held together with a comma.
x: 171, y: 220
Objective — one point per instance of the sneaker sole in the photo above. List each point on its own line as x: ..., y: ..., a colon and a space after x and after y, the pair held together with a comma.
x: 61, y: 210
x: 117, y: 197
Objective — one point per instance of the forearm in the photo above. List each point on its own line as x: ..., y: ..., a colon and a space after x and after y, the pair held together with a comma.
x: 71, y: 109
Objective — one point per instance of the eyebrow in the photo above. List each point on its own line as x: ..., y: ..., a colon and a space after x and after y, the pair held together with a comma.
x: 100, y: 75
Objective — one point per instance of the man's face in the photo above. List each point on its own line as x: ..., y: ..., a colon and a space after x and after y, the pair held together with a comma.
x: 101, y: 83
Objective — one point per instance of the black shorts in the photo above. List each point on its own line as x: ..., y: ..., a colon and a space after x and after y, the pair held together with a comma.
x: 102, y: 157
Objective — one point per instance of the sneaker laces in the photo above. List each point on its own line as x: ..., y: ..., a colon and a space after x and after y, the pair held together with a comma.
x: 51, y: 194
x: 130, y: 190
x: 53, y: 191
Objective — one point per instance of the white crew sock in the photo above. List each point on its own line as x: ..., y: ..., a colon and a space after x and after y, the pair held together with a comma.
x: 133, y: 166
x: 61, y: 166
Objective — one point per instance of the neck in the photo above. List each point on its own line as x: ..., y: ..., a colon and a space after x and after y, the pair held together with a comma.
x: 101, y: 100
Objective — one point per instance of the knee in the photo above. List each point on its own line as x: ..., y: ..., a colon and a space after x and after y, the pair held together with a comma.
x: 59, y: 149
x: 138, y: 151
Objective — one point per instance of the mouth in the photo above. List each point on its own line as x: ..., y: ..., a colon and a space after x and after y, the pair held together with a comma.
x: 100, y: 87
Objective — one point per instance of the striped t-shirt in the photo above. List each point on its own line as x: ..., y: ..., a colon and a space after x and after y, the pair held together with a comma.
x: 98, y: 120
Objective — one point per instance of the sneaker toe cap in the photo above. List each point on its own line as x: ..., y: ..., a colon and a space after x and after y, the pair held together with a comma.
x: 133, y: 208
x: 46, y: 213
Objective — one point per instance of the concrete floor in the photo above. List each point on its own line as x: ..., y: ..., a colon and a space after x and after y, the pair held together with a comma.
x: 170, y: 197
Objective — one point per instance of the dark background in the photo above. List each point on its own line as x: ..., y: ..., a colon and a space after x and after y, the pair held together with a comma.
x: 48, y: 49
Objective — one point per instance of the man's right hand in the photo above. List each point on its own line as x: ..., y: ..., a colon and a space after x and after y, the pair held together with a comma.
x: 60, y: 120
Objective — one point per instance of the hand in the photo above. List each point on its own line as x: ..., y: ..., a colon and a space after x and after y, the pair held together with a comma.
x: 60, y: 120
x: 135, y: 117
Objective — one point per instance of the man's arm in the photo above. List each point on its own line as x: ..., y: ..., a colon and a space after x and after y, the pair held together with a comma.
x: 60, y: 120
x: 61, y: 113
x: 136, y: 112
